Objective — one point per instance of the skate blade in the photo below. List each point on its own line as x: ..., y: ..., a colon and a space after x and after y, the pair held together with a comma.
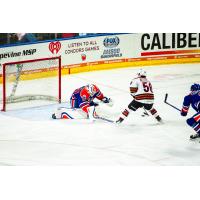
x: 196, y: 140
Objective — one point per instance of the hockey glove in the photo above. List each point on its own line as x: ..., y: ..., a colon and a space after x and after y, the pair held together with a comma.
x: 183, y: 113
x: 107, y: 101
x: 92, y: 103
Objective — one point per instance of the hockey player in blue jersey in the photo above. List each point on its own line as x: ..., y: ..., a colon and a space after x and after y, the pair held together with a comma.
x: 193, y: 99
x: 83, y: 98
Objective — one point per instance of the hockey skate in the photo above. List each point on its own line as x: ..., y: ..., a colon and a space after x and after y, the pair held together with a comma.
x: 195, y: 136
x: 53, y: 116
x: 159, y: 119
x: 120, y: 120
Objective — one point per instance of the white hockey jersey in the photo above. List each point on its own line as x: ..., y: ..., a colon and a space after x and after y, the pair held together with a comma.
x: 141, y: 90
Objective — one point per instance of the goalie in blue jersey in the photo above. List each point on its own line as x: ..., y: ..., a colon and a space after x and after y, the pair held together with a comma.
x: 193, y: 99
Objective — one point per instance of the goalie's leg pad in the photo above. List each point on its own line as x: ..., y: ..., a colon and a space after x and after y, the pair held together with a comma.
x: 69, y: 113
x: 92, y: 113
x: 65, y: 115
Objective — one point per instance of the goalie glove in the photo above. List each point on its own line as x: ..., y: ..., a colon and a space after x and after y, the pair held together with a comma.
x: 107, y: 101
x: 92, y: 103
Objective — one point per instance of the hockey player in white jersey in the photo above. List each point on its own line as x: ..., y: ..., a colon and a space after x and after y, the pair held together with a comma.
x: 143, y: 97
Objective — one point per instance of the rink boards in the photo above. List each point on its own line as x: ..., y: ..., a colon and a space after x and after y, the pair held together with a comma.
x: 45, y: 73
x: 106, y: 52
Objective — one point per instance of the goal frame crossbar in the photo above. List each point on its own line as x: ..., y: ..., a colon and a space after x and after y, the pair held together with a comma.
x: 29, y: 61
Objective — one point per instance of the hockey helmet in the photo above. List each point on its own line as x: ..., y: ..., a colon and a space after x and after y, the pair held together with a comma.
x: 195, y: 87
x: 142, y: 73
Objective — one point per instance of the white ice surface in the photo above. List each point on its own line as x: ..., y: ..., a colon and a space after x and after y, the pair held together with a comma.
x: 31, y: 137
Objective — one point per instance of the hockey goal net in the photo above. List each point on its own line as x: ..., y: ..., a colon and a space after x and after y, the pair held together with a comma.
x: 28, y: 80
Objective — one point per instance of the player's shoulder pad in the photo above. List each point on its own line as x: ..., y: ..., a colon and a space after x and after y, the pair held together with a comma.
x: 133, y: 80
x: 187, y: 99
x: 84, y: 91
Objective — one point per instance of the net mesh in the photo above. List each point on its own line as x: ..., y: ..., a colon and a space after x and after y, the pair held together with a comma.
x: 36, y: 80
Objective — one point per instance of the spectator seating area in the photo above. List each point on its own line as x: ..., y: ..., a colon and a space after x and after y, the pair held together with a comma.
x: 11, y: 38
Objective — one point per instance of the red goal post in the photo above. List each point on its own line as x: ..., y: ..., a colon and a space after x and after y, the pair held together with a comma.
x: 49, y: 63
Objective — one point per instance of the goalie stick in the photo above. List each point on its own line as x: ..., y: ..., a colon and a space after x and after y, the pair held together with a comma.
x: 104, y: 119
x: 165, y: 101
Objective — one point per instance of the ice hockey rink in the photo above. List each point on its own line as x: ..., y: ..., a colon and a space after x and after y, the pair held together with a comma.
x: 29, y: 136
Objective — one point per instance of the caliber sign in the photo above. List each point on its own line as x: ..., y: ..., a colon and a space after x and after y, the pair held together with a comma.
x: 159, y: 41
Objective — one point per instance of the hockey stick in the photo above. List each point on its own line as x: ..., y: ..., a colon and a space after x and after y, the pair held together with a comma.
x: 104, y: 119
x: 165, y: 101
x: 96, y: 117
x: 145, y: 113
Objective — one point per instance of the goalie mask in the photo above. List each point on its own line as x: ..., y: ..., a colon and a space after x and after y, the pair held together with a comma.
x: 92, y: 89
x: 141, y: 73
